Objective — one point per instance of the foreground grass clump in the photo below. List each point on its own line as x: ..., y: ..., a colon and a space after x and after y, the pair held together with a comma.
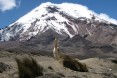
x: 114, y: 61
x: 74, y: 64
x: 3, y: 67
x: 28, y: 68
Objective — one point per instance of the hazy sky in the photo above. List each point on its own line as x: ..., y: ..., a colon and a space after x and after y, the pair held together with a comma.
x: 11, y: 10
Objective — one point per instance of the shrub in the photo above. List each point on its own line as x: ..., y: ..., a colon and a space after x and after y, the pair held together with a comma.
x: 82, y: 67
x: 3, y: 67
x: 114, y: 61
x: 74, y: 64
x: 28, y: 68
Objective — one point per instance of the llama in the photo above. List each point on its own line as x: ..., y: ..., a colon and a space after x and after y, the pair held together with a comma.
x: 56, y: 52
x: 66, y: 60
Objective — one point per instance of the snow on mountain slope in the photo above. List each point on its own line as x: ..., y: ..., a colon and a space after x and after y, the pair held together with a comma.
x: 58, y: 17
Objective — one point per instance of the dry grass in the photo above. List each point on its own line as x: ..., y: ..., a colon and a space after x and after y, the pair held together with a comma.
x: 74, y: 64
x: 28, y: 68
x: 114, y: 61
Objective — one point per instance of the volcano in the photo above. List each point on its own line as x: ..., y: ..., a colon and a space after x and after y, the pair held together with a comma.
x: 78, y: 29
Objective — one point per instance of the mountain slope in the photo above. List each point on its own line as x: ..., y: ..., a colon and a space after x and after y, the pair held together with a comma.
x: 66, y: 21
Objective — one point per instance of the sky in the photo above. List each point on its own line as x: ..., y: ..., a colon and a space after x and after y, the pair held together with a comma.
x: 12, y: 10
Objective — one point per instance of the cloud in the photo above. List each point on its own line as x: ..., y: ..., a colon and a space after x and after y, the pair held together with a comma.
x: 8, y: 4
x: 106, y: 17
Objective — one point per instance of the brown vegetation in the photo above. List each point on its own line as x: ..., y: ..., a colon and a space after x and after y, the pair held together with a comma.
x: 28, y: 68
x: 74, y: 64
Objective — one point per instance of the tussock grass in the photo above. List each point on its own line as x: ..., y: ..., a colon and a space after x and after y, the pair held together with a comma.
x: 4, y: 67
x: 28, y: 68
x: 74, y: 64
x: 114, y: 61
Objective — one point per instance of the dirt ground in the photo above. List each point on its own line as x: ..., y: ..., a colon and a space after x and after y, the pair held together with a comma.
x: 98, y: 68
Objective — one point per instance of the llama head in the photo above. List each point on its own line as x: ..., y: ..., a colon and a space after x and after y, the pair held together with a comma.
x: 56, y: 38
x: 56, y: 42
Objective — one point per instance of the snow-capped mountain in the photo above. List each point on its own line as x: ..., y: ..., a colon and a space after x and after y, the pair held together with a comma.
x: 66, y: 19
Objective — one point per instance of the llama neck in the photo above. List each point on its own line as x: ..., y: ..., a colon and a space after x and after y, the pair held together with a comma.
x: 56, y: 51
x: 55, y: 44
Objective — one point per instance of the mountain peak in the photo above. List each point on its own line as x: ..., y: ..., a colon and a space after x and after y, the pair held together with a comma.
x: 71, y: 20
x: 74, y: 10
